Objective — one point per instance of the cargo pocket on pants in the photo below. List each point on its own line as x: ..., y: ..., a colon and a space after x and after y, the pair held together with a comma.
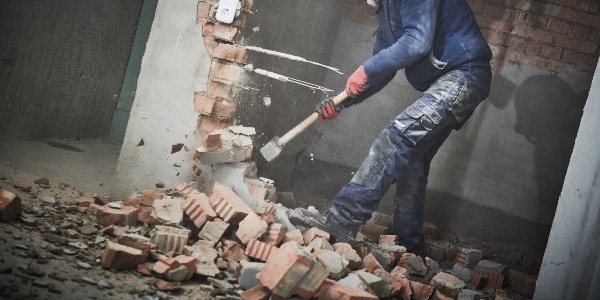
x: 417, y: 120
x: 372, y: 168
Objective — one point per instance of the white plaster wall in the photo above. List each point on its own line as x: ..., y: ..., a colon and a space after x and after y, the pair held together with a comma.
x: 571, y: 265
x: 175, y: 65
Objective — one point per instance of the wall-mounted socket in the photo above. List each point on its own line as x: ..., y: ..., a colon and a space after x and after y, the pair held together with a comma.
x: 227, y: 10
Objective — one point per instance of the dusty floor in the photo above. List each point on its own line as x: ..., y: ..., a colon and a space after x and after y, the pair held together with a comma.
x: 33, y: 265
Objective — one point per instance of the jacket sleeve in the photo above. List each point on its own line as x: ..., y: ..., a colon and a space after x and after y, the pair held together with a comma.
x: 418, y: 26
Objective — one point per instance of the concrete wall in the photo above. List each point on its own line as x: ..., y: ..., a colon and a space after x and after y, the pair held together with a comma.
x: 62, y: 65
x: 571, y: 265
x: 175, y: 65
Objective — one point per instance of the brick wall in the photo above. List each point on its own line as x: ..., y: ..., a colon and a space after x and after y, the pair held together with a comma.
x: 554, y: 35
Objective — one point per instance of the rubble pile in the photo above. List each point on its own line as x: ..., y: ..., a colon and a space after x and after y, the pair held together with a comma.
x: 182, y: 235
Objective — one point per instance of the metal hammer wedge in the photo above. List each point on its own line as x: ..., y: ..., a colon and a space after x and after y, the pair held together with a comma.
x: 273, y: 148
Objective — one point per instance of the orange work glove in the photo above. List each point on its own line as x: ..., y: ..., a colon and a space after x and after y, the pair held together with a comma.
x: 357, y: 82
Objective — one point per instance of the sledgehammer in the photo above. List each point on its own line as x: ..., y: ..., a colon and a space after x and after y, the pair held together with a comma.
x: 272, y: 149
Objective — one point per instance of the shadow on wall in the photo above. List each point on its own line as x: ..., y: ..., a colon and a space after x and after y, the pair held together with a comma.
x: 548, y: 114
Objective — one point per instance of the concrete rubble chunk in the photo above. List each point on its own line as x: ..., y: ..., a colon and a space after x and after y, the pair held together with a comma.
x: 261, y: 190
x: 231, y: 208
x: 490, y: 266
x: 376, y: 284
x: 205, y: 256
x: 117, y: 256
x: 466, y: 294
x: 170, y: 239
x: 354, y: 281
x: 294, y: 236
x: 10, y: 206
x: 168, y: 210
x: 447, y: 284
x: 416, y: 266
x: 196, y: 207
x: 330, y: 290
x: 349, y: 254
x: 333, y: 262
x: 310, y: 283
x: 463, y: 273
x: 284, y: 270
x: 246, y: 274
x: 252, y: 227
x: 387, y: 255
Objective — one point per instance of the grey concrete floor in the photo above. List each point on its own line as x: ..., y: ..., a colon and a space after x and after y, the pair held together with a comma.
x: 87, y: 165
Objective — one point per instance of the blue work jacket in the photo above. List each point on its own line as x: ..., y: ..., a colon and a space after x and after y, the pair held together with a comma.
x: 426, y: 38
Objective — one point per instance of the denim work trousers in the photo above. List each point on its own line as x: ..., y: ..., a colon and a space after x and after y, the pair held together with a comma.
x: 403, y: 151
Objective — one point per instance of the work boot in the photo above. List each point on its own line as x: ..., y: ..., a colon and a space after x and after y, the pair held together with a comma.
x: 325, y: 221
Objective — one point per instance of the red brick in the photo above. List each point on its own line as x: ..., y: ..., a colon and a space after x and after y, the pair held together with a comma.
x: 185, y: 189
x: 148, y: 196
x: 203, y: 10
x: 478, y: 281
x: 582, y: 32
x: 330, y: 290
x: 231, y: 53
x: 210, y: 44
x: 233, y: 251
x: 400, y: 271
x: 213, y: 230
x: 493, y: 280
x: 574, y: 44
x: 84, y: 201
x: 370, y: 263
x: 269, y: 214
x: 313, y: 233
x: 120, y: 257
x: 196, y: 206
x: 22, y: 186
x: 137, y: 242
x: 551, y: 52
x: 147, y: 215
x: 170, y: 238
x: 373, y: 231
x: 226, y: 71
x: 533, y: 33
x: 10, y: 206
x: 126, y: 216
x: 165, y: 264
x: 447, y: 284
x: 522, y: 283
x: 220, y: 32
x: 189, y: 262
x: 285, y: 269
x: 143, y: 269
x: 207, y: 125
x: 259, y: 250
x: 275, y: 234
x: 537, y: 21
x: 420, y: 291
x: 251, y: 228
x: 213, y: 141
x: 430, y: 230
x: 439, y: 296
x: 294, y: 236
x: 258, y: 292
x: 131, y: 201
x: 203, y: 104
x: 310, y: 283
x: 224, y: 109
x: 167, y: 286
x: 230, y: 207
x: 247, y: 4
x: 388, y: 239
x: 221, y: 90
x: 580, y: 17
x: 493, y: 10
x: 494, y: 24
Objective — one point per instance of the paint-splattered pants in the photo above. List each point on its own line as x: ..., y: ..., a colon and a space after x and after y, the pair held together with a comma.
x: 403, y: 151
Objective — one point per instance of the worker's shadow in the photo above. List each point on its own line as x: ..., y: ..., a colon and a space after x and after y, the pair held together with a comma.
x: 548, y: 114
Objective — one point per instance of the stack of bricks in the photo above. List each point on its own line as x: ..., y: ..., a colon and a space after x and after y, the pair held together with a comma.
x: 553, y: 35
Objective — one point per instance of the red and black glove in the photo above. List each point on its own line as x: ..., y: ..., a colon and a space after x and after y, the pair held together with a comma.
x: 327, y: 110
x: 357, y: 82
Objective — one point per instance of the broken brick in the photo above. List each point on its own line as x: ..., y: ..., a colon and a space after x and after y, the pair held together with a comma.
x: 275, y: 234
x: 130, y: 201
x: 224, y: 109
x: 370, y: 263
x: 415, y: 265
x: 251, y: 228
x: 137, y: 242
x: 295, y: 236
x: 522, y: 283
x: 231, y: 53
x: 398, y: 270
x: 10, y: 206
x: 22, y: 186
x: 189, y: 262
x: 388, y: 239
x: 320, y: 243
x: 169, y: 210
x: 143, y: 269
x: 167, y: 286
x: 348, y: 253
x: 170, y: 238
x: 225, y: 71
x: 478, y: 281
x: 261, y: 189
x: 213, y: 230
x: 447, y: 284
x: 126, y: 216
x: 120, y: 257
x: 84, y: 201
x: 203, y: 104
x: 496, y: 281
x: 171, y: 267
x: 246, y: 274
x: 232, y: 251
x: 220, y: 32
x: 468, y: 257
x: 205, y: 256
x: 185, y: 189
x: 313, y: 233
x: 230, y: 207
x: 148, y: 196
x: 430, y: 230
x: 333, y: 262
x: 310, y: 283
x: 373, y: 231
x: 203, y: 10
x: 148, y: 215
x: 258, y: 292
x: 213, y: 141
x: 259, y: 250
x: 330, y: 290
x: 196, y: 206
x: 285, y: 269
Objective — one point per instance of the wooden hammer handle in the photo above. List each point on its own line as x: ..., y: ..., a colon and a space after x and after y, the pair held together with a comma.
x: 308, y: 121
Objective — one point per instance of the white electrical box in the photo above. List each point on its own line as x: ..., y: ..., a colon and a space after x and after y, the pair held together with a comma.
x: 228, y: 10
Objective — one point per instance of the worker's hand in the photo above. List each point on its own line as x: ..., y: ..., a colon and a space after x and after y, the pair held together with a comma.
x: 357, y: 83
x: 328, y: 110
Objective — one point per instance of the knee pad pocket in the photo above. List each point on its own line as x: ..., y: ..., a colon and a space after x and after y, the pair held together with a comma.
x: 417, y: 120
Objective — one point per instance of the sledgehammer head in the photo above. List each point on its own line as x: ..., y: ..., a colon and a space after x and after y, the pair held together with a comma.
x: 271, y: 149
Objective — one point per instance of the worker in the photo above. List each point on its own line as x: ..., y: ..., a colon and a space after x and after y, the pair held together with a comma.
x: 444, y: 55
